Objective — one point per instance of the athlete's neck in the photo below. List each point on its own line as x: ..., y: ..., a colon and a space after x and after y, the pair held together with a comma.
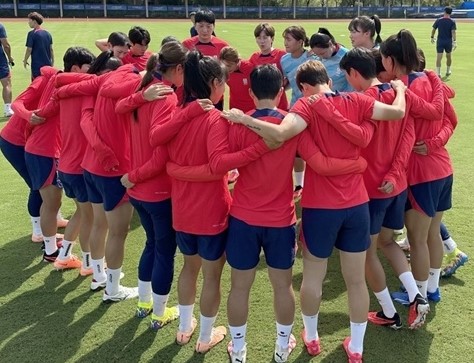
x: 263, y: 104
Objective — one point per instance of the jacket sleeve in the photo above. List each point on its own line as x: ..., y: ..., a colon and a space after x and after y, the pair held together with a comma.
x: 419, y: 108
x: 221, y: 160
x: 51, y: 108
x: 324, y: 165
x: 125, y: 88
x: 88, y: 87
x: 63, y: 79
x: 450, y: 121
x: 103, y: 152
x: 166, y: 123
x: 403, y: 152
x: 197, y: 173
x: 30, y: 95
x: 153, y: 167
x: 130, y: 103
x: 359, y: 135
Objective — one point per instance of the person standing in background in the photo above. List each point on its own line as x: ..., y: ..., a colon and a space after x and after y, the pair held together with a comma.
x: 39, y: 45
x: 5, y: 78
x: 446, y: 41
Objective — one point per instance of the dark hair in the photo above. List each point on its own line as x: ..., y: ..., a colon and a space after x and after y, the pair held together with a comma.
x: 365, y: 24
x: 313, y: 73
x: 192, y: 13
x: 379, y: 68
x: 205, y: 15
x: 298, y: 33
x: 168, y: 39
x: 171, y: 55
x: 402, y: 48
x: 139, y: 35
x: 448, y: 10
x: 118, y: 39
x: 422, y: 58
x: 266, y: 81
x: 322, y: 39
x: 77, y: 56
x: 266, y: 28
x: 105, y: 61
x: 36, y: 17
x: 199, y: 72
x: 361, y: 60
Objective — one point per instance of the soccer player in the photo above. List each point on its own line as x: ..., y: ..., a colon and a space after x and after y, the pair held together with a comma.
x: 330, y: 52
x: 116, y: 42
x: 207, y: 43
x: 337, y: 214
x: 39, y: 45
x: 363, y: 30
x: 446, y: 41
x: 295, y: 41
x: 73, y: 143
x: 108, y: 196
x: 386, y: 183
x: 6, y: 61
x: 138, y: 54
x: 264, y: 36
x: 430, y: 176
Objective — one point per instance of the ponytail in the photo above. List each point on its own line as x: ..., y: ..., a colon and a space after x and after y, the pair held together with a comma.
x: 402, y: 48
x: 378, y: 28
x: 104, y: 62
x: 151, y: 67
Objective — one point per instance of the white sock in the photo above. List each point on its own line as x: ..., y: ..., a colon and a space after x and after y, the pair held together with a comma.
x: 438, y: 70
x: 86, y: 260
x: 113, y: 280
x: 159, y: 304
x: 357, y: 337
x: 35, y: 222
x: 299, y: 178
x: 237, y: 334
x: 449, y: 246
x: 386, y: 303
x: 433, y: 279
x: 144, y: 291
x: 311, y: 327
x: 448, y: 69
x: 185, y: 317
x: 65, y: 250
x: 98, y: 270
x: 422, y: 287
x: 283, y: 334
x: 205, y: 330
x: 50, y: 245
x: 410, y: 285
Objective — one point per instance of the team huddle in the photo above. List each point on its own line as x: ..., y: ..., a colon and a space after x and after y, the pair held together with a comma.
x: 361, y: 143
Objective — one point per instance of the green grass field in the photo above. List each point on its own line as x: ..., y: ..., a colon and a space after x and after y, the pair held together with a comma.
x: 48, y: 316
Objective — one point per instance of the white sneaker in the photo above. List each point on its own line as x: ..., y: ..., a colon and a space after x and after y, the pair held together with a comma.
x: 99, y: 285
x: 124, y: 293
x: 281, y: 355
x: 237, y: 357
x: 8, y: 112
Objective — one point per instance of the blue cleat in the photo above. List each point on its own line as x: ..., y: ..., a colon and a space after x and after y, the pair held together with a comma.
x: 401, y: 298
x: 434, y: 296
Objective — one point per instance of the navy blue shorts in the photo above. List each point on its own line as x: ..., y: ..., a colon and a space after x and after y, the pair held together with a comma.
x: 245, y: 242
x: 431, y: 197
x: 106, y: 190
x: 210, y: 248
x: 444, y: 46
x: 42, y: 170
x: 388, y: 212
x: 346, y: 229
x: 4, y: 72
x: 74, y: 186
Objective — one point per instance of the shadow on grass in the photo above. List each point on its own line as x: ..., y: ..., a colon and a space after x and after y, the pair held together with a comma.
x: 16, y: 268
x: 39, y: 324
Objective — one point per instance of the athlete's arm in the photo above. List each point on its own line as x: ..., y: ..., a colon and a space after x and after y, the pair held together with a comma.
x: 153, y: 167
x: 197, y: 173
x: 102, y: 44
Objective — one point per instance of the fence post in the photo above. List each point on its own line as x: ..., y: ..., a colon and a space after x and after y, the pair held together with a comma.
x: 105, y: 8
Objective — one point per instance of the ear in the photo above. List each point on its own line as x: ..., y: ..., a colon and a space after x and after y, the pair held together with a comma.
x: 75, y: 68
x: 330, y: 83
x: 253, y: 97
x: 215, y: 83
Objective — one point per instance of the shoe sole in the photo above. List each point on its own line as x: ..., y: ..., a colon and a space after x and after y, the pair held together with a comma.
x: 453, y: 270
x: 421, y: 317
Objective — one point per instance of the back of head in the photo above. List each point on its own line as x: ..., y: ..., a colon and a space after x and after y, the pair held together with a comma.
x: 448, y: 10
x: 298, y: 33
x: 118, y: 39
x: 77, y: 56
x: 322, y: 39
x: 105, y: 62
x: 266, y: 81
x: 313, y: 73
x: 168, y: 39
x: 229, y: 54
x: 365, y: 24
x: 199, y: 73
x: 402, y: 48
x: 36, y: 17
x: 379, y: 68
x: 361, y: 60
x: 206, y: 16
x: 422, y: 58
x: 266, y: 28
x: 139, y: 35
